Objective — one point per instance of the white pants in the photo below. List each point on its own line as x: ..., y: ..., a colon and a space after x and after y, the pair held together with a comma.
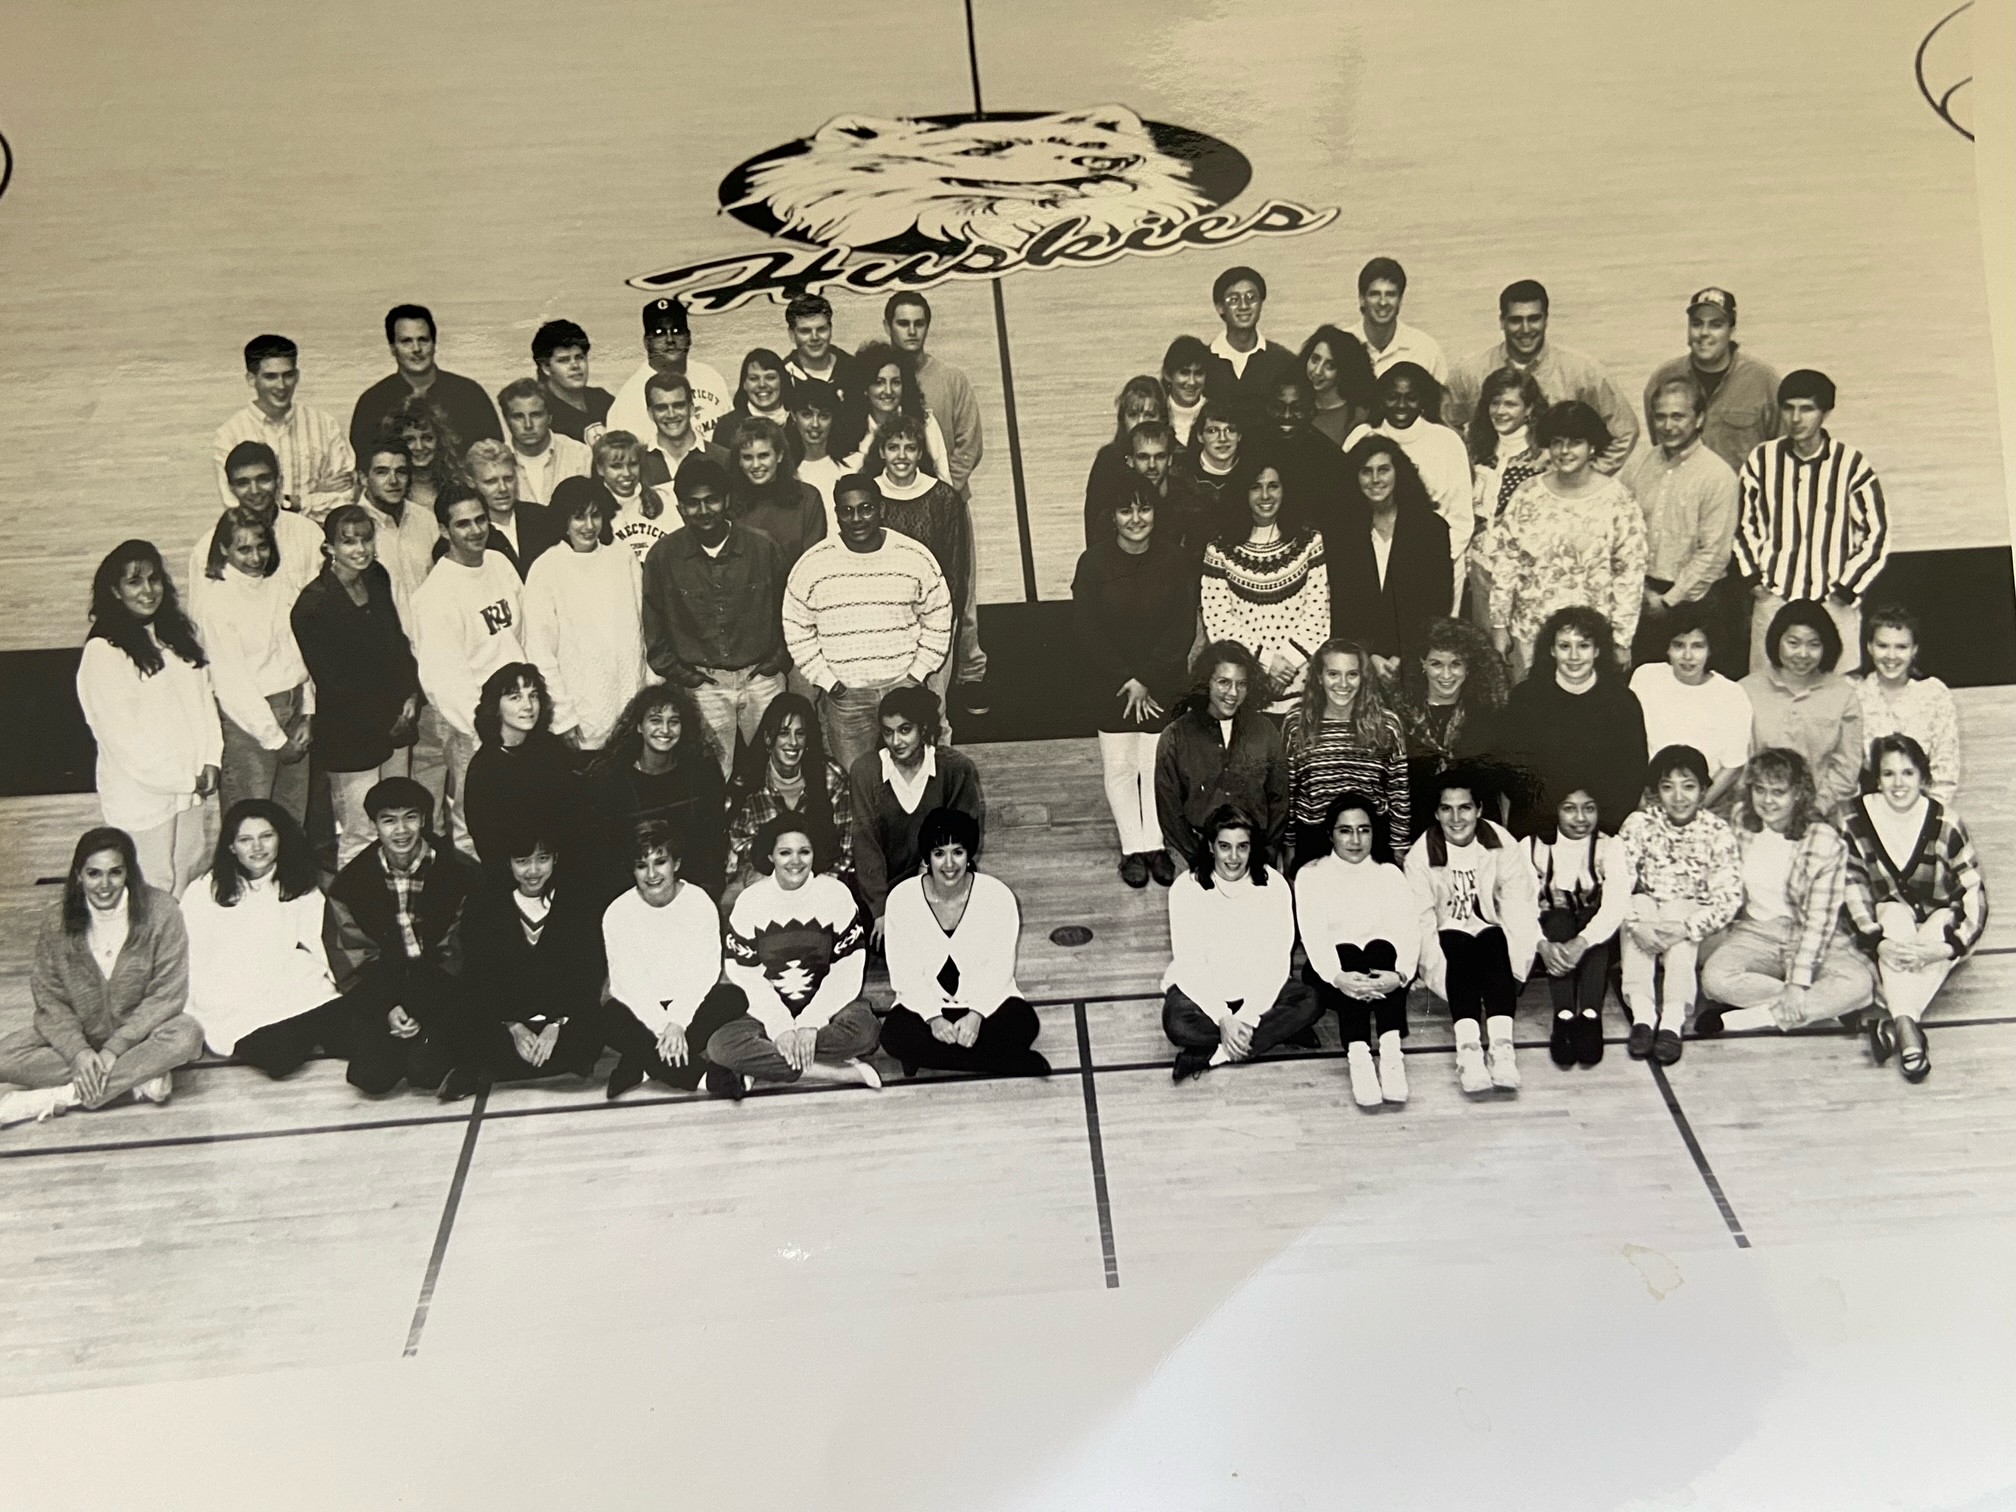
x: 1128, y: 761
x: 177, y: 851
x: 1670, y: 1006
x: 1909, y: 993
x: 734, y: 703
x: 354, y: 830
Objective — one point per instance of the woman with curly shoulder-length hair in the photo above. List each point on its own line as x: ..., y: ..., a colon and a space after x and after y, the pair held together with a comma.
x: 519, y: 765
x: 1265, y: 581
x: 1786, y: 962
x: 1574, y: 719
x: 661, y: 762
x: 1450, y: 702
x: 1219, y: 749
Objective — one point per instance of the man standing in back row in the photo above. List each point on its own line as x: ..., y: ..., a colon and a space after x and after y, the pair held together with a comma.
x: 317, y: 467
x: 460, y: 405
x: 1742, y: 393
x: 1245, y: 364
x: 1382, y: 285
x: 1561, y: 372
x: 668, y: 351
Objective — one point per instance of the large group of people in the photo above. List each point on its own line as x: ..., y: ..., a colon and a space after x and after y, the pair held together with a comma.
x: 1427, y: 673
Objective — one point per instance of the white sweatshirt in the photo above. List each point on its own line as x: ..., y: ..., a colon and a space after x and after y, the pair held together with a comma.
x: 1231, y: 943
x: 155, y: 734
x: 255, y: 963
x: 249, y: 635
x: 663, y: 961
x: 982, y: 947
x: 1339, y: 902
x: 299, y: 539
x: 466, y: 626
x: 1479, y: 888
x: 584, y: 629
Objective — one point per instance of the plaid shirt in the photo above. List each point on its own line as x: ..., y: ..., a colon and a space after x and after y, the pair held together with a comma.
x: 1940, y: 874
x: 749, y: 811
x: 1815, y: 887
x: 406, y: 888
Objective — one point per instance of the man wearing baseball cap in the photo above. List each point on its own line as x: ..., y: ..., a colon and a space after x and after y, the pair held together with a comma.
x: 1742, y: 392
x: 668, y: 344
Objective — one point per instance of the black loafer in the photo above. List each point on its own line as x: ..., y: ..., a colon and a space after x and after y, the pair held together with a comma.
x: 628, y: 1073
x: 1134, y: 870
x: 1561, y: 1042
x: 1588, y: 1038
x: 1882, y: 1037
x: 1162, y: 867
x: 1666, y: 1047
x: 1190, y: 1063
x: 1640, y: 1043
x: 727, y: 1084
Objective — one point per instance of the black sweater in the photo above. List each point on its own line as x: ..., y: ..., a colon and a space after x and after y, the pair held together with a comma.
x: 1135, y: 616
x: 1558, y: 741
x: 362, y: 666
x: 692, y: 798
x: 511, y: 980
x: 505, y: 784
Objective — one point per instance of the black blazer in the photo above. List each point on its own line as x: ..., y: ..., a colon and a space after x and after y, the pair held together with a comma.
x: 1390, y: 620
x: 540, y: 529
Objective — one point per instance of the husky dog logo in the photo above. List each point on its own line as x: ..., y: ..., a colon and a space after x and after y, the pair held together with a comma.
x: 896, y: 185
x: 875, y: 204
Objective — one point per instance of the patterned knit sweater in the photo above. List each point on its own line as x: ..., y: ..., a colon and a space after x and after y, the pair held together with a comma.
x: 1272, y: 599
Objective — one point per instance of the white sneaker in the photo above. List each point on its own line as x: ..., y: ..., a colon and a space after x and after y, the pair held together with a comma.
x: 1364, y: 1075
x: 1470, y: 1070
x: 34, y: 1105
x: 1504, y: 1069
x: 1393, y: 1075
x: 157, y: 1090
x: 870, y: 1077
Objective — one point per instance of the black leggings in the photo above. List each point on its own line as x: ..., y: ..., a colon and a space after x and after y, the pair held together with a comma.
x: 1582, y: 987
x: 628, y: 1036
x: 1002, y: 1049
x: 1480, y: 980
x: 282, y: 1048
x: 1356, y: 1017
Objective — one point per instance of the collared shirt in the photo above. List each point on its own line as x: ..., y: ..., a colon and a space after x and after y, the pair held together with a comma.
x: 1562, y: 373
x: 909, y: 786
x: 317, y: 466
x: 538, y: 476
x: 1742, y: 413
x: 1809, y: 526
x: 631, y: 409
x: 716, y: 611
x: 1221, y: 345
x: 406, y: 887
x: 1409, y: 344
x: 1690, y: 517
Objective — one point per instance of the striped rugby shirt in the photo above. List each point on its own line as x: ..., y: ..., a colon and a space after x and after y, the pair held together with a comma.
x: 1807, y: 526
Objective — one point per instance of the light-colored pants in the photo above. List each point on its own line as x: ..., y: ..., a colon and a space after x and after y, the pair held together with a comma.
x: 252, y: 771
x: 743, y: 1045
x: 1907, y: 994
x: 354, y: 830
x: 734, y: 702
x: 1747, y: 966
x: 176, y: 851
x: 457, y: 750
x: 1669, y: 1007
x: 848, y: 722
x: 1128, y: 761
x: 1847, y: 619
x: 28, y: 1060
x: 968, y: 659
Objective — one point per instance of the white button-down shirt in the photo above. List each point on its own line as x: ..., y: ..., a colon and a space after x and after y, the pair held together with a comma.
x: 1409, y: 344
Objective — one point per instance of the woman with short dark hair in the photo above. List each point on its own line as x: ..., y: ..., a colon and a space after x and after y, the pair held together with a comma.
x: 1218, y: 750
x: 1186, y: 376
x: 110, y: 984
x: 1800, y: 703
x: 584, y: 617
x: 1573, y: 723
x: 521, y: 767
x: 951, y: 933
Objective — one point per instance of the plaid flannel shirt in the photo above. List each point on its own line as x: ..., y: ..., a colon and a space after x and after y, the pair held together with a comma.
x: 406, y: 888
x: 1941, y: 874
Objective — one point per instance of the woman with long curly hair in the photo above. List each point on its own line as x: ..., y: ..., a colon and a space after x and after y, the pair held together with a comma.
x: 1389, y: 561
x: 1265, y: 584
x: 661, y: 763
x: 1339, y: 370
x: 1574, y: 723
x: 1450, y: 702
x: 519, y: 765
x: 786, y: 767
x: 889, y: 388
x: 1342, y: 737
x: 144, y: 685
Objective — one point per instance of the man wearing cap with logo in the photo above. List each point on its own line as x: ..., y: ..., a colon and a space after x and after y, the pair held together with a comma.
x: 668, y: 345
x: 1810, y: 518
x: 1742, y: 392
x: 1561, y: 372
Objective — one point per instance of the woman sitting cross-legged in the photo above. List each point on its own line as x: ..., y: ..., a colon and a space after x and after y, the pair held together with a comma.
x: 259, y: 978
x: 1786, y: 961
x: 1480, y: 924
x: 1228, y: 995
x: 951, y: 933
x: 532, y: 965
x: 798, y: 948
x: 110, y: 983
x: 666, y: 996
x: 1916, y: 900
x: 1690, y: 884
x: 1361, y: 932
x: 786, y: 769
x: 1586, y: 882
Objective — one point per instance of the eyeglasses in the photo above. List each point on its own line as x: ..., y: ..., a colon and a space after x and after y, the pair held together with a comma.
x: 1242, y: 301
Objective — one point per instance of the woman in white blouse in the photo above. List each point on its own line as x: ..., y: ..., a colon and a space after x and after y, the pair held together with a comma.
x: 951, y: 933
x: 259, y: 979
x: 144, y: 685
x: 584, y: 625
x: 262, y: 682
x: 1361, y: 932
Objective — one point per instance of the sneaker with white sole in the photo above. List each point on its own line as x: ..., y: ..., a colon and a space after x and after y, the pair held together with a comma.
x: 1470, y: 1069
x: 1393, y: 1075
x: 1364, y: 1075
x: 869, y: 1076
x: 157, y: 1089
x: 34, y: 1105
x: 1503, y: 1067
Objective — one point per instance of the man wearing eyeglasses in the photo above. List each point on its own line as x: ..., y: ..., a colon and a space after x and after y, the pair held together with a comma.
x: 1247, y: 365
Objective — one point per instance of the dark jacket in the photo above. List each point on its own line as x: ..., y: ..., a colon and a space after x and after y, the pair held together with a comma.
x: 365, y: 917
x: 1251, y: 390
x: 1135, y: 617
x: 540, y: 529
x: 1195, y: 772
x: 1391, y: 620
x: 1312, y: 474
x: 1558, y: 741
x: 724, y: 611
x: 692, y: 798
x: 512, y: 981
x: 460, y: 404
x: 362, y: 665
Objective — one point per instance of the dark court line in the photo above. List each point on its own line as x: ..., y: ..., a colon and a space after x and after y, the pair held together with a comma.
x: 447, y: 1228
x: 1700, y: 1157
x: 1098, y: 1147
x: 181, y: 1141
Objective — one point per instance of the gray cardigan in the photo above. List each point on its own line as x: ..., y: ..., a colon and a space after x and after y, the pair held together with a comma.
x: 78, y: 1009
